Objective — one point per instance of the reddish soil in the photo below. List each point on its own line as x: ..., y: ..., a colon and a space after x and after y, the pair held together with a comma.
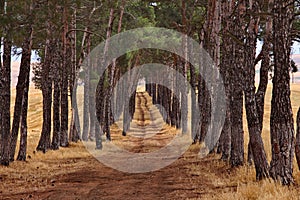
x: 72, y: 173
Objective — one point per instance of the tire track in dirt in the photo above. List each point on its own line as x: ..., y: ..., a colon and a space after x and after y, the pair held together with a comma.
x: 147, y: 130
x: 87, y: 178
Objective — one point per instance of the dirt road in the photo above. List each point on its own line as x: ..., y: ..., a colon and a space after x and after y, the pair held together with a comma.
x: 72, y: 173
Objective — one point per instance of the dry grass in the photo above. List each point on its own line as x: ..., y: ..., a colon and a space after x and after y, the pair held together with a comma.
x: 244, y: 177
x: 38, y: 172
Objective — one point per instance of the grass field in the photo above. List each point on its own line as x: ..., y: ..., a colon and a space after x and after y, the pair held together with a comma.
x: 51, y: 174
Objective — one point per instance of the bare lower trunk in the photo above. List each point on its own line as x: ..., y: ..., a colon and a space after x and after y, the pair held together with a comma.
x: 236, y: 101
x: 193, y: 101
x: 225, y: 138
x: 64, y: 113
x: 44, y: 142
x: 5, y: 107
x: 237, y: 132
x: 23, y: 138
x: 86, y: 104
x: 185, y: 64
x: 74, y: 134
x: 297, y: 143
x: 1, y: 101
x: 107, y: 117
x: 100, y: 103
x: 64, y: 108
x: 56, y: 117
x: 263, y: 79
x: 225, y: 68
x: 20, y: 92
x: 254, y: 129
x: 92, y: 113
x: 281, y: 122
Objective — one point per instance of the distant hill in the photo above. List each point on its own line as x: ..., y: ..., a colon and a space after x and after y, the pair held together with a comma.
x: 16, y: 66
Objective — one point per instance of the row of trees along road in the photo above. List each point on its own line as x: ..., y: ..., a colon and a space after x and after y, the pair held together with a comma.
x: 63, y: 32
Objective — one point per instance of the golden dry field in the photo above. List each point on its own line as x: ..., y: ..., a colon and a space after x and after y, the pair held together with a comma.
x: 72, y: 173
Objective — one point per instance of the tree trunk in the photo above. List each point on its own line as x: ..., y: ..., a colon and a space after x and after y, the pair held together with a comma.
x: 236, y: 101
x: 56, y: 116
x: 64, y: 108
x: 100, y: 103
x: 111, y: 72
x: 2, y: 3
x: 44, y: 142
x: 98, y: 135
x: 281, y: 122
x: 256, y: 142
x: 174, y: 99
x: 132, y: 104
x: 74, y: 134
x: 225, y: 68
x: 263, y: 80
x: 205, y: 110
x: 168, y: 104
x: 85, y: 129
x: 211, y: 43
x: 200, y: 100
x: 75, y: 124
x: 297, y: 145
x: 86, y: 113
x: 23, y: 138
x: 20, y: 92
x: 27, y: 61
x: 5, y: 104
x: 92, y: 112
x: 193, y: 101
x: 1, y: 103
x: 176, y: 102
x: 184, y: 92
x: 237, y: 133
x: 107, y: 118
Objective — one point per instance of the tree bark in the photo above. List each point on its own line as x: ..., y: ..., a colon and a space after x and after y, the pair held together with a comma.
x: 56, y: 116
x: 5, y: 104
x: 183, y: 87
x: 23, y: 138
x: 281, y: 122
x: 92, y: 112
x: 236, y: 101
x: 1, y: 102
x: 263, y: 80
x: 297, y: 144
x: 22, y: 86
x: 74, y: 134
x: 225, y: 68
x: 256, y: 142
x: 44, y: 142
x: 193, y: 101
x: 64, y: 107
x: 111, y: 73
x: 86, y: 110
x: 100, y: 107
x: 27, y: 60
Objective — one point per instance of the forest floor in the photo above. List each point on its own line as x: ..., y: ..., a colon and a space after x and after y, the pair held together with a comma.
x: 73, y: 173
